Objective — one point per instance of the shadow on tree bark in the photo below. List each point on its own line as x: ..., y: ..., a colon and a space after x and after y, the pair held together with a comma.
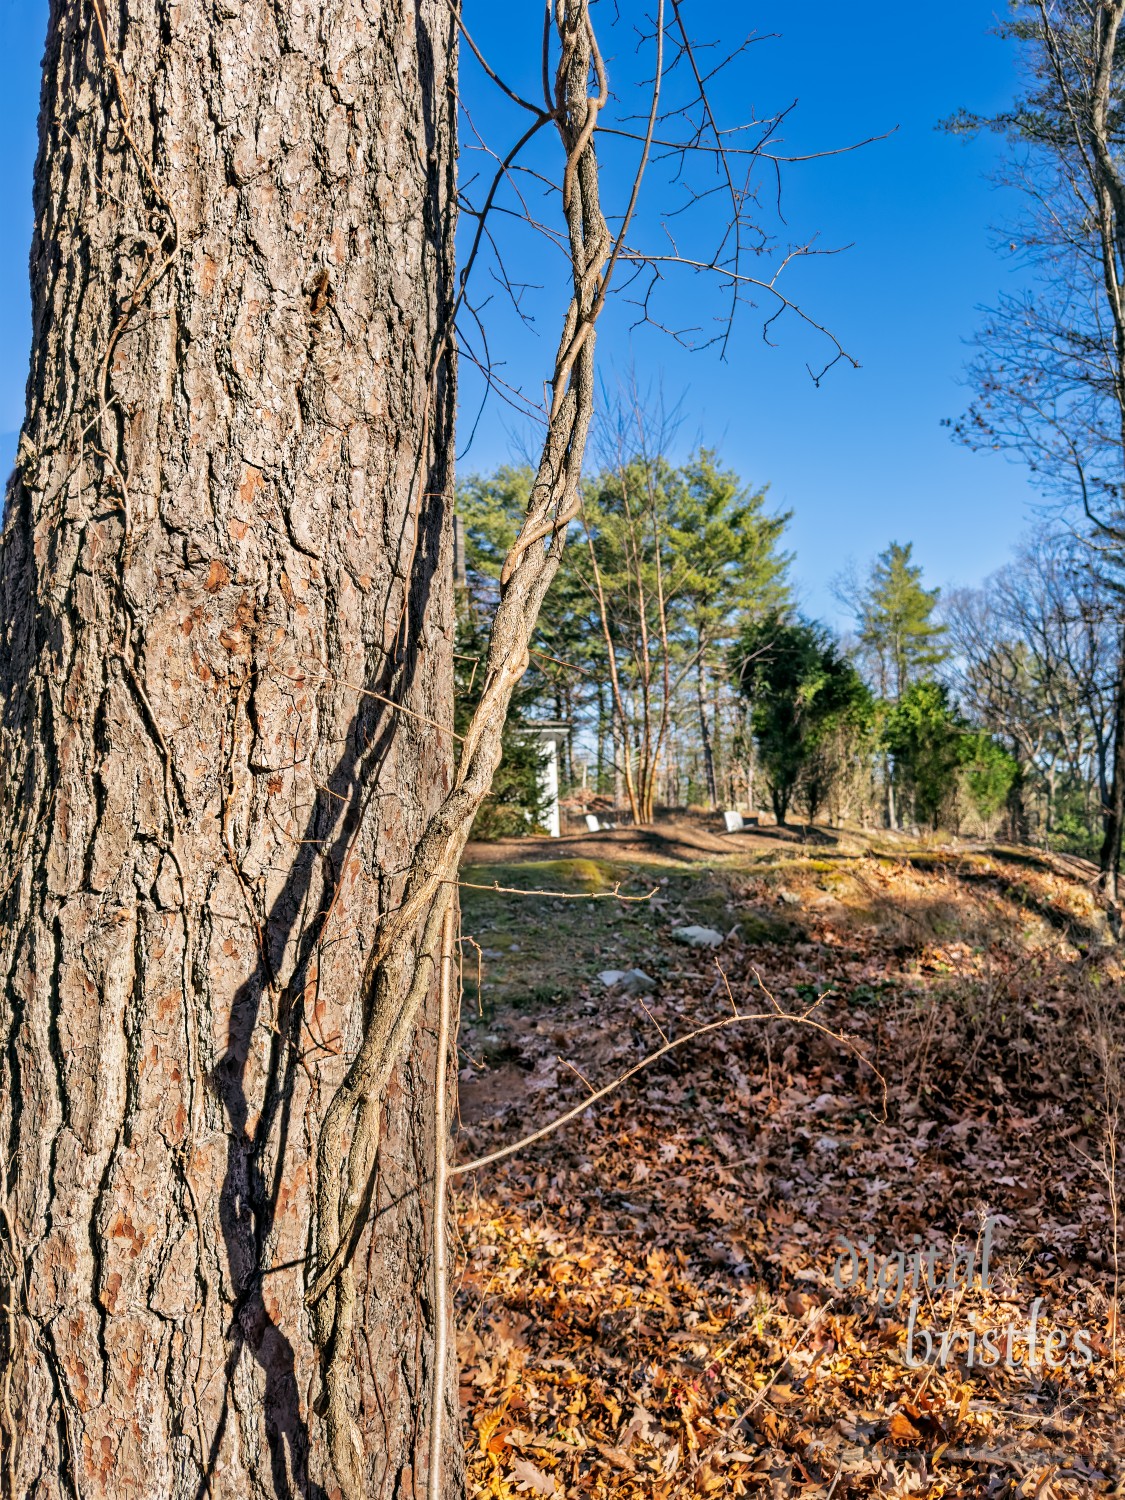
x: 250, y: 1189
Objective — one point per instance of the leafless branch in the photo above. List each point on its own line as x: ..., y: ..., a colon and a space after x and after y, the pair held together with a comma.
x: 775, y: 1013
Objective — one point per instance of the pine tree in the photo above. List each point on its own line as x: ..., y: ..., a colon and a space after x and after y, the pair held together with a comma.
x: 896, y: 625
x: 727, y: 570
x: 927, y: 737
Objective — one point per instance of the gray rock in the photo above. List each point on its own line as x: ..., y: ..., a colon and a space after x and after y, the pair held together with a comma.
x: 632, y: 981
x: 637, y: 982
x: 697, y: 937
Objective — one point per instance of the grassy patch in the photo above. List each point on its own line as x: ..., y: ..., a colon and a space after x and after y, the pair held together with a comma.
x: 534, y: 948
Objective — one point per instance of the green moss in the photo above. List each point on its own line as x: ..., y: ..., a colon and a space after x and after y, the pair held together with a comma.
x: 788, y: 866
x: 756, y: 929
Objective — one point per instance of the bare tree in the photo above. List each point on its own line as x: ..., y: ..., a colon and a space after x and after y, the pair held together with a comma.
x: 1035, y: 655
x: 1050, y: 369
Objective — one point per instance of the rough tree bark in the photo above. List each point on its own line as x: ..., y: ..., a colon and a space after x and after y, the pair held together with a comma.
x: 227, y: 544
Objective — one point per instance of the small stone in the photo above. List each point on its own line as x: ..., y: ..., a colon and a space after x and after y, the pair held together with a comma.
x: 632, y: 981
x: 697, y: 937
x: 637, y: 982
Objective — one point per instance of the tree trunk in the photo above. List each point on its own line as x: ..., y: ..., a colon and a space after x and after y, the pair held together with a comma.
x: 229, y: 527
x: 705, y: 738
x: 568, y: 742
x: 1113, y: 817
x: 751, y: 760
x: 603, y: 732
x: 1022, y: 813
x: 889, y: 782
x: 718, y: 757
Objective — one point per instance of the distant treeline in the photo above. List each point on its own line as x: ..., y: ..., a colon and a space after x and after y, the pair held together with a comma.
x: 671, y: 643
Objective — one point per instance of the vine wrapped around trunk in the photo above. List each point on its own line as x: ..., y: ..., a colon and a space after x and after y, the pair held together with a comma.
x: 226, y: 559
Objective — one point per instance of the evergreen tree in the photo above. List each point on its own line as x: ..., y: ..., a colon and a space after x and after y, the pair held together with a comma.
x: 841, y: 746
x: 684, y: 556
x: 897, y: 631
x: 727, y: 569
x: 989, y: 774
x: 800, y: 686
x: 928, y: 740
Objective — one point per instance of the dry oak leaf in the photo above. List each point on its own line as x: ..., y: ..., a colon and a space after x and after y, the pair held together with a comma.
x: 910, y: 1427
x: 493, y: 1428
x: 530, y: 1478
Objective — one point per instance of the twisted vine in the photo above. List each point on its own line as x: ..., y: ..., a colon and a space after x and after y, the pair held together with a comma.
x: 403, y: 964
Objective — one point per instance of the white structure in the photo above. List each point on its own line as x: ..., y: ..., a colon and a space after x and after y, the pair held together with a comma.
x: 595, y: 824
x: 736, y: 822
x: 551, y: 735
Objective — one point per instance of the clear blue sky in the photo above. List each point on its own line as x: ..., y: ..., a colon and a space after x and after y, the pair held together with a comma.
x: 861, y: 460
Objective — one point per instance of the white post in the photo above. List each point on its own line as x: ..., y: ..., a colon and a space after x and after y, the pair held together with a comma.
x: 550, y: 781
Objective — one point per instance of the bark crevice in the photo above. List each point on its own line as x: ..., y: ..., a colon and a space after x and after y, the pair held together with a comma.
x: 207, y: 813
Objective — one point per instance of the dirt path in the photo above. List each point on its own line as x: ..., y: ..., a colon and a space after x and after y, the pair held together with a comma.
x: 680, y: 839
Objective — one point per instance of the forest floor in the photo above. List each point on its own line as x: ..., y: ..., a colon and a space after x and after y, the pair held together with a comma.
x: 657, y: 1299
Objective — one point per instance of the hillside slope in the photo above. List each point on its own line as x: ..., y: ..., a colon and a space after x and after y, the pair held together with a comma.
x: 657, y: 1299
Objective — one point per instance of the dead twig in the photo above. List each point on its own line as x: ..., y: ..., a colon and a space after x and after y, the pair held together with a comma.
x: 511, y: 890
x: 801, y: 1018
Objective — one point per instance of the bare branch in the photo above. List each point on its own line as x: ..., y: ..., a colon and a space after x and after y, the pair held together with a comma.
x: 776, y: 1013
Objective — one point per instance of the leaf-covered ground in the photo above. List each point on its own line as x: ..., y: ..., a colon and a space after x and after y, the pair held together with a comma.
x: 647, y: 1301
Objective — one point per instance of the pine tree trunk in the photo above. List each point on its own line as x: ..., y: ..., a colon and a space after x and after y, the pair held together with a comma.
x: 1113, y: 816
x: 751, y: 760
x: 705, y: 739
x: 230, y: 526
x: 718, y: 754
x: 889, y: 781
x: 602, y: 735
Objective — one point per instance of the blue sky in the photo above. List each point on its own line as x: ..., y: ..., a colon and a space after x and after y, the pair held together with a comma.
x: 863, y: 458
